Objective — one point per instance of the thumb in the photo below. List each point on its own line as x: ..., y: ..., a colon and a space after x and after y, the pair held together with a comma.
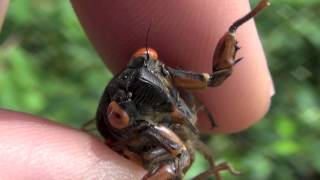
x: 39, y: 149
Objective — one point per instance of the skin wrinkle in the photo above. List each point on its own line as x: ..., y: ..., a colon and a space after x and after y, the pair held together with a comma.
x: 31, y: 148
x: 37, y: 149
x: 11, y: 148
x: 43, y: 153
x: 94, y: 169
x: 91, y: 163
x: 100, y: 166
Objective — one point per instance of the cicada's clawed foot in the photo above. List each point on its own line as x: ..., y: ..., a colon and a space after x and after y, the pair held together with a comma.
x: 216, y: 170
x: 224, y: 166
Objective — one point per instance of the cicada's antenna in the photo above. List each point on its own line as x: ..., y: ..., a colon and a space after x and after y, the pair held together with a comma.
x: 147, y: 39
x: 260, y: 6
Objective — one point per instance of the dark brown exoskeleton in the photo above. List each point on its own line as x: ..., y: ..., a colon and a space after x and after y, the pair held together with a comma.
x: 147, y: 115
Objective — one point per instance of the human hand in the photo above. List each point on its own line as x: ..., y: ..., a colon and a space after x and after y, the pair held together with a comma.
x: 38, y: 149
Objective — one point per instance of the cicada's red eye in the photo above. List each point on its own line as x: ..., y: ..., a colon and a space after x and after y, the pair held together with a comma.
x: 117, y: 117
x: 143, y: 51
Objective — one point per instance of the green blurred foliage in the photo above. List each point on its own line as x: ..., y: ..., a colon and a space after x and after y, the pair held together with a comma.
x: 47, y: 65
x: 48, y: 68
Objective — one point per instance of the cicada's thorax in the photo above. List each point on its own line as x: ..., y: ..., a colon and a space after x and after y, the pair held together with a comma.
x: 152, y: 92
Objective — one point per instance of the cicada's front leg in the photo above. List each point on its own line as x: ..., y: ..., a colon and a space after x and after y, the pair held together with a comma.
x: 224, y: 58
x: 225, y: 52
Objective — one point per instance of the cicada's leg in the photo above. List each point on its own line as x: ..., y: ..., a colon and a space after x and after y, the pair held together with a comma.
x: 191, y: 154
x: 179, y: 157
x: 214, y: 168
x: 166, y: 138
x: 160, y: 164
x: 224, y: 58
x: 180, y: 118
x: 89, y: 126
x: 196, y: 105
x: 156, y: 154
x: 165, y: 170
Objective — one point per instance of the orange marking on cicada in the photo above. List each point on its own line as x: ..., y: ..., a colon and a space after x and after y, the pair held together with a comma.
x: 143, y: 52
x: 192, y: 83
x: 117, y: 117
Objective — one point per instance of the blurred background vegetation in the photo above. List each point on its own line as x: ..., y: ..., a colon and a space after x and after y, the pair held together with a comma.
x: 48, y: 68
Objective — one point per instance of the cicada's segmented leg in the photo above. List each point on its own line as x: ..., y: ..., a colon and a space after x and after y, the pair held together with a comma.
x: 164, y: 170
x: 224, y: 58
x: 227, y: 47
x: 214, y: 168
x: 174, y: 161
x: 89, y: 125
x: 156, y: 154
x: 196, y: 105
x: 161, y: 164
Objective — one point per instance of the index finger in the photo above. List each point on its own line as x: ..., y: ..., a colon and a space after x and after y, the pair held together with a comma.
x: 185, y: 34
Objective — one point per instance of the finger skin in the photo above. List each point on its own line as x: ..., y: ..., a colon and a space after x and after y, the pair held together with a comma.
x: 3, y: 10
x: 185, y: 33
x: 34, y: 148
